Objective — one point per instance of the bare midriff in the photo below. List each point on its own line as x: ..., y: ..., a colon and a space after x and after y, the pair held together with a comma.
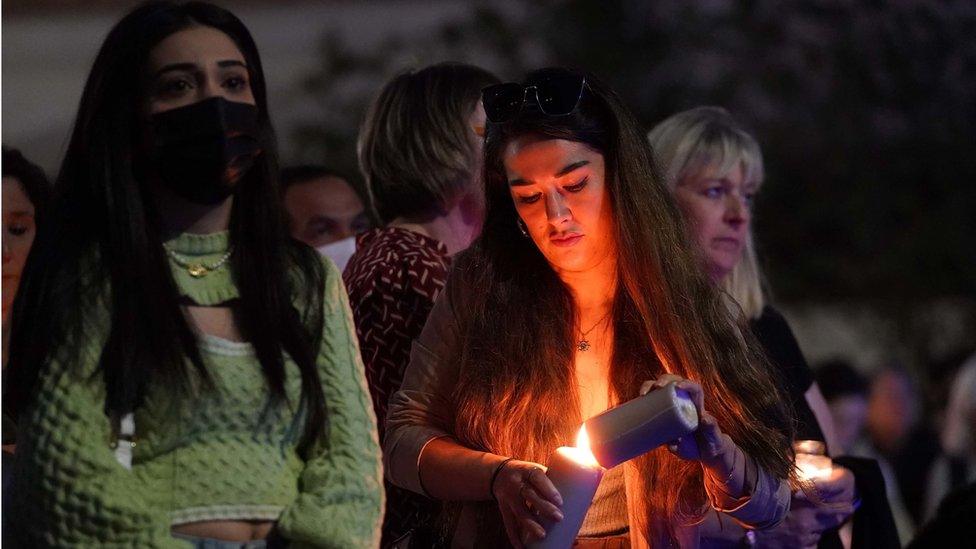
x: 227, y: 530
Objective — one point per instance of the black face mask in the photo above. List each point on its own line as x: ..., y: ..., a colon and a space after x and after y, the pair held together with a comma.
x: 201, y: 151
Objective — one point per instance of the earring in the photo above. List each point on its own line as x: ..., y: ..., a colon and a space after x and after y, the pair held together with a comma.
x: 522, y: 228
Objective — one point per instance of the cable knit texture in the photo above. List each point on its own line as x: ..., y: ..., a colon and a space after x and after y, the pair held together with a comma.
x: 224, y: 454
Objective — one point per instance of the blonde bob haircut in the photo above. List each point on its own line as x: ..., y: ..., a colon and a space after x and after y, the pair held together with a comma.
x: 417, y: 151
x: 694, y: 140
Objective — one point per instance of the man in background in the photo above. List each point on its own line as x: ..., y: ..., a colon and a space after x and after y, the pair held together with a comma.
x: 324, y: 210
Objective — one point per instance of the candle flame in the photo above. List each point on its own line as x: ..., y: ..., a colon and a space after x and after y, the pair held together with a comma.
x: 583, y: 455
x: 813, y: 467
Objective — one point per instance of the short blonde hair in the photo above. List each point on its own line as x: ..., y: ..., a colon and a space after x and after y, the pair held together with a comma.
x: 690, y: 141
x: 415, y: 146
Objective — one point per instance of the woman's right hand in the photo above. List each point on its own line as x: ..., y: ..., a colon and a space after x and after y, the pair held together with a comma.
x: 525, y: 496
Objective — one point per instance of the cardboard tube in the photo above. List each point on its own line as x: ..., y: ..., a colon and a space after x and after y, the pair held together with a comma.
x: 641, y: 425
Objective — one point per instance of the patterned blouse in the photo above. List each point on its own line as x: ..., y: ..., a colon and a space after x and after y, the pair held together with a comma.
x: 392, y: 280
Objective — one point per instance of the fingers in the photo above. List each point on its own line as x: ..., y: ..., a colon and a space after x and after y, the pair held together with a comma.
x: 696, y: 393
x: 658, y: 383
x: 711, y: 443
x: 665, y: 379
x: 525, y: 497
x: 685, y: 448
x: 834, y: 516
x: 531, y: 530
x: 706, y: 444
x: 540, y: 505
x: 810, y: 541
x: 511, y: 530
x: 839, y: 487
x: 693, y: 389
x: 525, y: 518
x: 520, y: 524
x: 543, y: 487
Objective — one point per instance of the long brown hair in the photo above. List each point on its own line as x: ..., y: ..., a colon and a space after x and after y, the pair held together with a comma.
x: 517, y: 394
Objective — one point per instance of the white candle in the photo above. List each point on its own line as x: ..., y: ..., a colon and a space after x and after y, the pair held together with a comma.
x: 814, y: 447
x: 576, y: 475
x: 641, y: 425
x: 811, y: 463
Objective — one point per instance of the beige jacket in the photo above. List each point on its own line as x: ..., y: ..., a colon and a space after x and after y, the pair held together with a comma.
x: 422, y: 411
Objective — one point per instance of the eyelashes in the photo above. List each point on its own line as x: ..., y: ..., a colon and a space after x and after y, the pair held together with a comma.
x: 179, y: 85
x: 579, y: 186
x: 575, y: 188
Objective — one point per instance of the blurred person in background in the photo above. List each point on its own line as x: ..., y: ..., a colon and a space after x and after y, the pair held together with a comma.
x: 324, y: 211
x: 26, y: 193
x: 714, y: 169
x: 956, y: 467
x: 897, y: 432
x: 420, y: 154
x: 954, y: 523
x: 183, y: 373
x: 846, y: 392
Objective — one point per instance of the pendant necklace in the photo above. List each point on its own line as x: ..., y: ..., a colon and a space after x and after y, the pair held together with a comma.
x: 198, y: 269
x: 584, y: 344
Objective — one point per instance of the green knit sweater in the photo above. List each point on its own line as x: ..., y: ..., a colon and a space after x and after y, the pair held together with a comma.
x: 223, y: 454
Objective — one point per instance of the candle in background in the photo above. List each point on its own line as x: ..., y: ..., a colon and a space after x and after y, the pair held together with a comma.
x: 576, y: 475
x: 811, y: 461
x: 641, y: 425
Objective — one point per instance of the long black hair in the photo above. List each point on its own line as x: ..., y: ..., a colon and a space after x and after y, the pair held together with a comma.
x: 518, y: 382
x: 102, y: 249
x: 32, y: 179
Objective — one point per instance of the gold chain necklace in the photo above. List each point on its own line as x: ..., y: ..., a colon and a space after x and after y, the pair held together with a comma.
x: 584, y: 344
x: 198, y: 269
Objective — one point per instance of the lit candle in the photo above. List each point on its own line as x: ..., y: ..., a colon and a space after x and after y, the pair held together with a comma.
x: 641, y: 425
x: 811, y: 463
x: 576, y: 475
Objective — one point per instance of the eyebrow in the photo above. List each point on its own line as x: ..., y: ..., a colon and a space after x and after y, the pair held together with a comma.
x: 193, y: 66
x: 565, y: 171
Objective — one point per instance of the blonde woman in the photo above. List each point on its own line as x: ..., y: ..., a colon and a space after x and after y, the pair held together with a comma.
x: 714, y: 169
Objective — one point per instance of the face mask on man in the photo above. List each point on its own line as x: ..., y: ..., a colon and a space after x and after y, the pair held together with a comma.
x: 339, y: 251
x: 202, y: 151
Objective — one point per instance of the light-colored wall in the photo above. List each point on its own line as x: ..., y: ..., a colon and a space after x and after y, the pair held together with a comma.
x: 46, y: 58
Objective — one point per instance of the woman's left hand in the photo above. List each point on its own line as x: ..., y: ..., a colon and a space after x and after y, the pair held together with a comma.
x: 836, y: 493
x: 807, y: 519
x: 707, y: 444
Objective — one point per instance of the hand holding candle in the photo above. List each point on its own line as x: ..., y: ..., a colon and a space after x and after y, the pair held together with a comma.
x: 811, y: 461
x: 703, y: 440
x: 576, y: 474
x: 525, y: 497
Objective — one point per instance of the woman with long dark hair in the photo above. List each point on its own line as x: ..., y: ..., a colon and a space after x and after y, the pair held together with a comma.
x: 179, y: 366
x: 26, y: 194
x: 581, y: 293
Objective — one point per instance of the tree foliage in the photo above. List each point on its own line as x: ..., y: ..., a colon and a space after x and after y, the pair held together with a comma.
x: 866, y: 112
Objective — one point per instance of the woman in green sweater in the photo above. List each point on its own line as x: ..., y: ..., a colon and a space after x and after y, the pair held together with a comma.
x: 182, y: 373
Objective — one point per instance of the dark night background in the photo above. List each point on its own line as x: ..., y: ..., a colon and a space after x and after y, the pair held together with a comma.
x: 865, y: 110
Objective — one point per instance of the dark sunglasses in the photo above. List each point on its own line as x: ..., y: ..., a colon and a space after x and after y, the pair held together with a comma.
x: 556, y: 96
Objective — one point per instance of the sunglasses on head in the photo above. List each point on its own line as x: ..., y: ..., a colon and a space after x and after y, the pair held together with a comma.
x: 555, y: 96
